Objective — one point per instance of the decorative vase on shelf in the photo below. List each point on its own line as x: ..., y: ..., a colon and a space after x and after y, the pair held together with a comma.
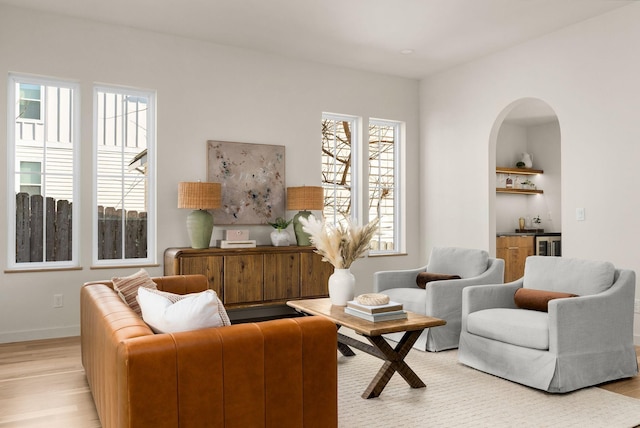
x: 341, y: 287
x: 279, y: 238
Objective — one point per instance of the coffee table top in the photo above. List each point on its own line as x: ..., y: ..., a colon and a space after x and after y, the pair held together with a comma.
x: 323, y: 307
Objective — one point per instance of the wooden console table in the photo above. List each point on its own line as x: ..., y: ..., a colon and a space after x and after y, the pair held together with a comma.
x: 248, y: 277
x: 393, y: 357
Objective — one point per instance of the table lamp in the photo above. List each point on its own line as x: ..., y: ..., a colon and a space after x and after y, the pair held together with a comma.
x: 200, y: 197
x: 304, y: 198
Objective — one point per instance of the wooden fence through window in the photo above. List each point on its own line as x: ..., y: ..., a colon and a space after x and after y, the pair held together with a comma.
x: 37, y: 216
x: 110, y: 234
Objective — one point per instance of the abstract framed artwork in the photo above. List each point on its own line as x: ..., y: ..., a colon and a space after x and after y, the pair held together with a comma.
x: 252, y: 179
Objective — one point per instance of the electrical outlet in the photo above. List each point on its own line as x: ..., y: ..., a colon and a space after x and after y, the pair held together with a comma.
x: 636, y: 308
x: 58, y: 300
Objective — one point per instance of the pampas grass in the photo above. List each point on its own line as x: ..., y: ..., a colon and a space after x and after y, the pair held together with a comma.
x: 339, y: 245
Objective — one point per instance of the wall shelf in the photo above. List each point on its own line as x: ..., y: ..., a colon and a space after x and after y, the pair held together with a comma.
x: 519, y: 191
x: 518, y: 171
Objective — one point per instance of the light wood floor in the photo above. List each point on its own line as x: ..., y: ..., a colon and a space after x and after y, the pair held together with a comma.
x: 42, y: 384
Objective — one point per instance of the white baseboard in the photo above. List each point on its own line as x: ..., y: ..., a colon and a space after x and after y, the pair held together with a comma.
x: 49, y: 333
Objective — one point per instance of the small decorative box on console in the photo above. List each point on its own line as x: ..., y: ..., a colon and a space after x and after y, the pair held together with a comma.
x: 237, y: 235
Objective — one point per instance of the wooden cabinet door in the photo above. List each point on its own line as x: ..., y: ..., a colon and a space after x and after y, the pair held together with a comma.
x: 314, y: 275
x: 281, y: 276
x: 211, y: 267
x: 243, y: 278
x: 514, y: 250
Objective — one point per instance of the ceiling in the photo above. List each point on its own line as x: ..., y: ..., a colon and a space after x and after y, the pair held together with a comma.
x: 366, y: 35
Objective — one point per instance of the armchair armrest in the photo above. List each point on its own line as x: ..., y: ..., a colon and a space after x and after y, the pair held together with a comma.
x: 478, y: 297
x: 444, y: 298
x: 588, y: 324
x: 385, y: 280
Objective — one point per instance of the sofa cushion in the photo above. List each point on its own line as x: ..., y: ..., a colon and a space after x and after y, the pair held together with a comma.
x: 465, y: 262
x: 537, y: 300
x: 195, y: 311
x: 520, y: 327
x: 424, y: 278
x: 127, y: 287
x: 582, y: 277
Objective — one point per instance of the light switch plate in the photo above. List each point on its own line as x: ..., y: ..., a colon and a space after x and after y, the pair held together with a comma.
x: 580, y: 214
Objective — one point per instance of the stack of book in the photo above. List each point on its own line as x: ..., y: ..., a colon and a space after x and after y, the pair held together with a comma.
x: 387, y: 312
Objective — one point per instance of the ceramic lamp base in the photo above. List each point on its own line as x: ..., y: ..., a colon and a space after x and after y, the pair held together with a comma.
x: 200, y: 228
x: 302, y: 237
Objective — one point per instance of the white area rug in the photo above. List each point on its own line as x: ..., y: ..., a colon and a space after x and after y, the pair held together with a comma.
x: 459, y: 396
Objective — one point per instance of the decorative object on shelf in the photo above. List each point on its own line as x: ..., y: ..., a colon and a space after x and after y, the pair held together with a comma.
x: 199, y: 196
x: 304, y: 199
x: 537, y: 221
x: 521, y: 223
x: 252, y: 176
x: 528, y: 184
x: 527, y: 160
x: 340, y: 245
x: 280, y: 237
x: 509, y: 182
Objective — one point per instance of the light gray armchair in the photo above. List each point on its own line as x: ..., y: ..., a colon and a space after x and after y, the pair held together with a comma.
x: 440, y: 299
x: 581, y: 341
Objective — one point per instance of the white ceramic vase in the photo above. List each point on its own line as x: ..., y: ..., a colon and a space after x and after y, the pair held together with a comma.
x: 341, y: 287
x: 279, y: 238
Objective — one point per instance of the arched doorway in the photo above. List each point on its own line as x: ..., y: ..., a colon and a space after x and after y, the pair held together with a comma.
x: 528, y: 125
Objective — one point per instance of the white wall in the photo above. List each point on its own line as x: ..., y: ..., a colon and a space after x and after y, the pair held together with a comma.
x: 205, y: 91
x: 588, y: 74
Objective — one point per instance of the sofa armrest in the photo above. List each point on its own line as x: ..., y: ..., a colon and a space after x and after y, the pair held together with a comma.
x: 385, y: 280
x: 588, y: 324
x: 273, y: 373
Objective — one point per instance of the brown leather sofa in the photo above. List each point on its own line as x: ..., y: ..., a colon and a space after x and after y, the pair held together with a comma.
x: 280, y: 373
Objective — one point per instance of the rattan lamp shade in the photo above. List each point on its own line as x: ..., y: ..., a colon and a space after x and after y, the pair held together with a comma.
x: 199, y: 195
x: 305, y: 198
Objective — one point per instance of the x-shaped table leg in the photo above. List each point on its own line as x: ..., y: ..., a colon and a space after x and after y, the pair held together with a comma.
x: 393, y: 362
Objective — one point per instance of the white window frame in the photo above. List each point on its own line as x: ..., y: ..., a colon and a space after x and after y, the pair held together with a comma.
x: 41, y: 114
x: 151, y: 178
x: 356, y: 164
x: 398, y: 180
x: 13, y: 80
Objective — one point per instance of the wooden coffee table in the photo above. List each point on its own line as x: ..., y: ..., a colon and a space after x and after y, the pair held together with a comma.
x: 393, y: 357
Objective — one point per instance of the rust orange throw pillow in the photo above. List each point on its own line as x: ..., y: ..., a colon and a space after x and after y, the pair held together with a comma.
x: 425, y: 277
x: 537, y: 300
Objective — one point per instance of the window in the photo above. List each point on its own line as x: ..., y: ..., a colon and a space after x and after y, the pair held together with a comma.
x: 383, y: 182
x: 124, y: 143
x: 30, y: 104
x: 339, y: 175
x: 42, y: 148
x: 380, y: 178
x: 31, y: 177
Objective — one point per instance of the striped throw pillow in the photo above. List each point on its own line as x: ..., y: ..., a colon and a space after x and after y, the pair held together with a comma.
x: 127, y: 288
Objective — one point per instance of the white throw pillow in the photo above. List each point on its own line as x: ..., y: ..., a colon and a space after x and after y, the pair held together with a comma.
x: 190, y: 312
